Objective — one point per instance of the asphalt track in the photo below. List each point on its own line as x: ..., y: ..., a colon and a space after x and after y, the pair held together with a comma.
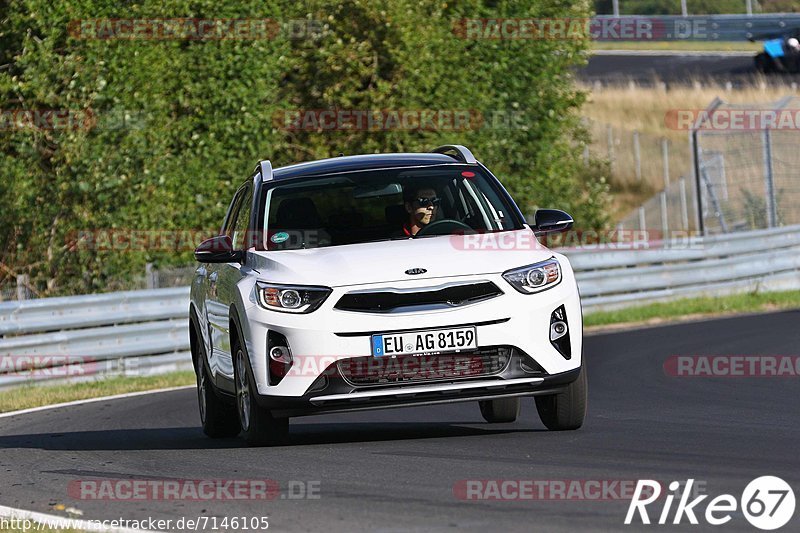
x: 675, y: 69
x: 396, y: 470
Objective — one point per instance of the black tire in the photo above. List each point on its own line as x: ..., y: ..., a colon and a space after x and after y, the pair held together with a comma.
x: 565, y: 410
x: 503, y: 410
x: 764, y: 63
x: 257, y: 424
x: 217, y: 417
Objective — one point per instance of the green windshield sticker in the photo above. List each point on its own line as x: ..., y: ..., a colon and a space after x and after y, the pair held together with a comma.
x: 280, y: 237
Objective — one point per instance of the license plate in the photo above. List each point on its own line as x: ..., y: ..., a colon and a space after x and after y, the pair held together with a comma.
x: 423, y: 342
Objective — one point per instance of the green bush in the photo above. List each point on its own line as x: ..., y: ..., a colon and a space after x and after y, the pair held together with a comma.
x: 180, y: 123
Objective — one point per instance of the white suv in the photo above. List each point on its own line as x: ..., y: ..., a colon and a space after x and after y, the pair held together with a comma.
x: 379, y: 281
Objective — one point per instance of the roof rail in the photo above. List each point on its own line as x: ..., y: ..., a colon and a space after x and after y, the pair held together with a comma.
x: 462, y: 153
x: 266, y: 170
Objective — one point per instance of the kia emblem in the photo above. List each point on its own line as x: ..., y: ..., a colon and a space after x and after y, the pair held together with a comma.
x: 415, y: 271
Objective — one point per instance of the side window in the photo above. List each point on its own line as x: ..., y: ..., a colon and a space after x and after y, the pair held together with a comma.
x: 242, y: 224
x: 230, y: 216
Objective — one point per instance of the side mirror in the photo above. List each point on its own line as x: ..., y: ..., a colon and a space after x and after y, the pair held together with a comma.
x: 218, y: 249
x: 551, y: 221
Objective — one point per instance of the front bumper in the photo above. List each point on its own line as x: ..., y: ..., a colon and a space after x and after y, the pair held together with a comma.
x: 490, y: 388
x: 319, y: 340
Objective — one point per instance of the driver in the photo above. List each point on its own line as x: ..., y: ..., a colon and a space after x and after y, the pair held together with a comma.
x: 422, y: 204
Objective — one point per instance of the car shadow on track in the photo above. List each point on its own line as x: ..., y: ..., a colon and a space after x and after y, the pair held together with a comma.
x: 299, y: 435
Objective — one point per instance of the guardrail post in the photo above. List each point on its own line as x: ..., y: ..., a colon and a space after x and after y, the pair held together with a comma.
x: 750, y: 7
x: 684, y: 204
x: 693, y: 143
x: 22, y: 286
x: 664, y: 216
x: 615, y: 7
x: 637, y: 155
x: 769, y: 184
x: 665, y: 156
x: 684, y: 9
x: 151, y: 276
x: 642, y: 220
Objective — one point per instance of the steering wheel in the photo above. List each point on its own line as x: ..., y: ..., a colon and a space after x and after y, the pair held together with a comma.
x: 446, y: 226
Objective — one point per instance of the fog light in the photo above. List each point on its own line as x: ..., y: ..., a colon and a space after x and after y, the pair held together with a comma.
x: 280, y: 357
x: 280, y: 354
x: 559, y: 332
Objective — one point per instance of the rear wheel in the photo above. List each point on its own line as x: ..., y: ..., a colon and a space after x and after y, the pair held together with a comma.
x: 567, y: 409
x: 258, y: 425
x: 217, y: 417
x: 500, y: 411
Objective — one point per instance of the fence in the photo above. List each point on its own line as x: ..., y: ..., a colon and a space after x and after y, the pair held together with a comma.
x: 636, y: 158
x: 733, y: 178
x: 748, y: 178
x: 146, y: 332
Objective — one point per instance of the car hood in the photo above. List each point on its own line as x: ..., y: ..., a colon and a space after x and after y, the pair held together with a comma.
x: 388, y: 261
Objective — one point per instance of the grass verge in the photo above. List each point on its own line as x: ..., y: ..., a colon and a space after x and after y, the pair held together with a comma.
x: 690, y: 309
x: 35, y: 396
x: 690, y: 46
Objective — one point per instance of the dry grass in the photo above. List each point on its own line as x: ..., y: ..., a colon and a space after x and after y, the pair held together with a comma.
x: 703, y: 46
x: 636, y: 108
x: 643, y: 108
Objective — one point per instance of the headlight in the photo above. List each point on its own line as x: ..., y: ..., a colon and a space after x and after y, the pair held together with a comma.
x: 291, y: 299
x: 535, y: 278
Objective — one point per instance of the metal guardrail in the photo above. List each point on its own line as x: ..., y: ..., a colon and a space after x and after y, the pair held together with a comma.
x: 145, y: 332
x: 80, y: 338
x: 707, y: 27
x: 740, y: 262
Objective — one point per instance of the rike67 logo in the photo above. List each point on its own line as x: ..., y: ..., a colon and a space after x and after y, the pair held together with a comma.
x: 767, y: 503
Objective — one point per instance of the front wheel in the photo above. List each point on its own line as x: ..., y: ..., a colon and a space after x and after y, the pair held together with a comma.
x: 217, y: 417
x: 504, y: 410
x: 258, y: 425
x: 565, y: 410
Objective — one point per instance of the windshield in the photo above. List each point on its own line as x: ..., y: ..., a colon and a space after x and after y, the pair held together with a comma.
x: 380, y: 205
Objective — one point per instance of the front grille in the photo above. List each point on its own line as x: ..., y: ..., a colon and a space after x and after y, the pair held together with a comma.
x: 395, y: 300
x: 365, y: 371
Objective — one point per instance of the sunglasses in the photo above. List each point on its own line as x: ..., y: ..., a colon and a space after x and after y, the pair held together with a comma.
x: 425, y: 202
